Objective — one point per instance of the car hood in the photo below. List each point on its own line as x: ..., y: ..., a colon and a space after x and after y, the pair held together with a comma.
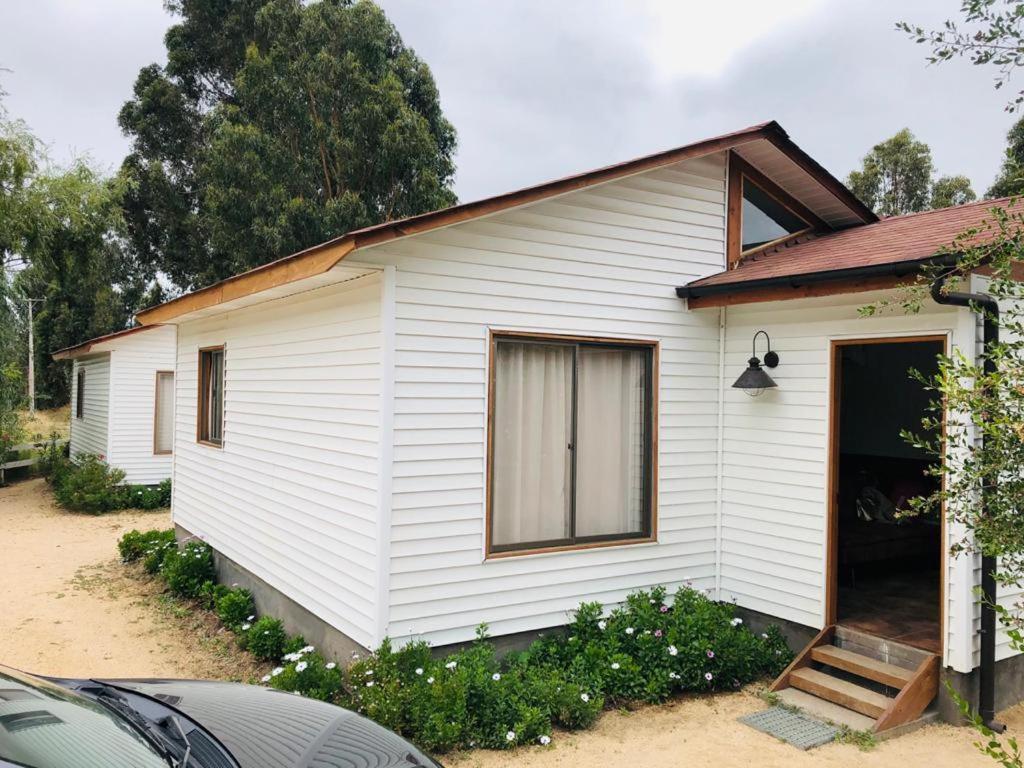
x: 267, y: 728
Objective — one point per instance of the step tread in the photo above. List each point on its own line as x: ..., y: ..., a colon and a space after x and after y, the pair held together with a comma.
x: 863, y: 666
x: 843, y: 692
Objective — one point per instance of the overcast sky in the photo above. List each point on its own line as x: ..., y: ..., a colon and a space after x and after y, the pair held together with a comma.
x: 538, y: 89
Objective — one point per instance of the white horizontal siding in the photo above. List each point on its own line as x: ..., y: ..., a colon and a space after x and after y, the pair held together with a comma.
x: 292, y: 494
x: 135, y: 361
x: 775, y: 452
x: 600, y: 262
x: 89, y: 434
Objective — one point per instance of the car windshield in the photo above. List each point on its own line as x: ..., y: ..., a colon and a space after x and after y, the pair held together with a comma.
x: 45, y: 726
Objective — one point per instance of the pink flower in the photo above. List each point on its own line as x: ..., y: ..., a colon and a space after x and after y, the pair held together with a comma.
x: 664, y: 609
x: 708, y: 676
x: 711, y: 654
x: 657, y: 633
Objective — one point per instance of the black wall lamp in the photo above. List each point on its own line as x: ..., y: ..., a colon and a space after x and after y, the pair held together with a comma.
x: 754, y: 380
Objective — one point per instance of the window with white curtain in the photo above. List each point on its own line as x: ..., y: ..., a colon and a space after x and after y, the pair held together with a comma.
x: 163, y: 414
x: 570, y: 443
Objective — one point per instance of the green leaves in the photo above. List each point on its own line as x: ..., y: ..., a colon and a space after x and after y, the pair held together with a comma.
x: 278, y: 125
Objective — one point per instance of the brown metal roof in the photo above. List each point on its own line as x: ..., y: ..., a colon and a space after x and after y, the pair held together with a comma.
x: 320, y: 258
x: 899, y: 239
x: 86, y: 346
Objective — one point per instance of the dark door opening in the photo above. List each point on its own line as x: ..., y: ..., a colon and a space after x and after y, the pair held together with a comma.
x: 887, y: 568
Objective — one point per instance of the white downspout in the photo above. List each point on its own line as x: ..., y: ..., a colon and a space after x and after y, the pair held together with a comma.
x: 720, y: 451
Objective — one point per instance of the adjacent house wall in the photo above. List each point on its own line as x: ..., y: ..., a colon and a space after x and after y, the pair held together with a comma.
x: 133, y: 368
x: 599, y: 262
x: 89, y: 434
x: 292, y: 495
x: 775, y: 458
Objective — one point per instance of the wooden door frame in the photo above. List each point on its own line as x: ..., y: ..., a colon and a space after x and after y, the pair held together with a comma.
x: 832, y: 482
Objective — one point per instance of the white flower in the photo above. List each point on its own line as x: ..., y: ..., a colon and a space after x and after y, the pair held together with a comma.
x: 736, y: 622
x: 602, y: 624
x: 266, y: 631
x: 276, y: 671
x: 419, y: 670
x: 615, y: 665
x: 495, y: 677
x: 584, y: 697
x: 430, y: 680
x: 292, y: 656
x: 265, y: 678
x: 764, y: 635
x: 673, y: 676
x: 308, y: 649
x: 510, y: 736
x: 301, y: 666
x: 370, y: 684
x: 630, y: 630
x: 245, y: 627
x: 451, y: 665
x: 330, y: 665
x: 369, y: 673
x: 708, y: 676
x: 355, y: 654
x: 672, y: 650
x: 544, y: 740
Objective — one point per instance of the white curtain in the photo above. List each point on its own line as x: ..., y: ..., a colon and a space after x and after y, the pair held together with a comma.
x: 163, y: 439
x: 610, y: 440
x: 532, y: 431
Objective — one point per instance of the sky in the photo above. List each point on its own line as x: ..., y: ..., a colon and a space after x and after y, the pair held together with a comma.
x: 539, y: 89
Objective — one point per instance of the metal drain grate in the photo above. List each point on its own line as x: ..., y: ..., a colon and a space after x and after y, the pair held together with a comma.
x: 793, y: 728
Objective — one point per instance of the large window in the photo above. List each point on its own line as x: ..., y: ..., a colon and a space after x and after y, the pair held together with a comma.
x: 163, y: 413
x: 571, y: 428
x: 80, y: 395
x: 211, y: 396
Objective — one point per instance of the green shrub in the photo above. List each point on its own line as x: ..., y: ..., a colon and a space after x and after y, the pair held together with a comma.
x: 307, y: 673
x: 153, y: 559
x: 210, y: 593
x: 235, y: 607
x: 293, y: 644
x: 188, y: 569
x: 135, y: 545
x: 53, y: 458
x: 89, y: 485
x: 646, y: 650
x: 266, y: 638
x: 140, y: 497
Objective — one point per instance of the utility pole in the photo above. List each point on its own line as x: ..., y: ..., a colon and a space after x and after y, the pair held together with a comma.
x: 31, y: 359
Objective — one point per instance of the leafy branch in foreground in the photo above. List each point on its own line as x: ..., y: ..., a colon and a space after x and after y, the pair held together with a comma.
x: 992, y: 33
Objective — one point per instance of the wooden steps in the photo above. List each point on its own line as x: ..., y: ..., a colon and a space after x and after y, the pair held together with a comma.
x: 892, y: 686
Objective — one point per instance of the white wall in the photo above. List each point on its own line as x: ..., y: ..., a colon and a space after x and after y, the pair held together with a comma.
x: 604, y: 261
x: 292, y: 494
x: 775, y: 456
x: 133, y: 365
x: 89, y: 433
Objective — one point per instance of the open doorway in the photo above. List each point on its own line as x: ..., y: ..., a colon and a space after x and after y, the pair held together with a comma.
x: 886, y: 569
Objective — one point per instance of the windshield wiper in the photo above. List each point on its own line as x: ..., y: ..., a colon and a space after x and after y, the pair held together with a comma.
x: 117, y: 701
x: 173, y: 720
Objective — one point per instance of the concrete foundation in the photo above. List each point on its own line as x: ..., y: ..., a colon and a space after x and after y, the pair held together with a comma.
x: 269, y: 601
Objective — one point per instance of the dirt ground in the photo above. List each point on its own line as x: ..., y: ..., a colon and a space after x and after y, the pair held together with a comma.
x: 68, y: 607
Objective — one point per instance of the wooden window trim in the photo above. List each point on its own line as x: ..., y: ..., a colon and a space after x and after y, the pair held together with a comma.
x: 156, y: 413
x: 80, y: 393
x: 648, y: 536
x: 740, y: 170
x: 200, y: 409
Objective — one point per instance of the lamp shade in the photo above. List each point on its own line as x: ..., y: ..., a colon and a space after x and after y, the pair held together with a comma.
x: 754, y: 380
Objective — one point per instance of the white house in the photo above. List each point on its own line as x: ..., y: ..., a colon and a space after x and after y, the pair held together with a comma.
x: 496, y: 411
x: 122, y: 400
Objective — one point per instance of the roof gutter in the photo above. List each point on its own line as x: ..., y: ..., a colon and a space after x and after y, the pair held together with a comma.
x: 891, y: 269
x: 989, y: 309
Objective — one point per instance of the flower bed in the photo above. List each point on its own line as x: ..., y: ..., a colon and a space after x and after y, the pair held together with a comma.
x: 652, y: 647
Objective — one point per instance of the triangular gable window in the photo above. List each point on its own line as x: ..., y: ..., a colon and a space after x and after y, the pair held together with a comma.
x: 765, y: 219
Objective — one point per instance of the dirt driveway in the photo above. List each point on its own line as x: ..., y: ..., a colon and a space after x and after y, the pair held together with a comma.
x: 68, y: 607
